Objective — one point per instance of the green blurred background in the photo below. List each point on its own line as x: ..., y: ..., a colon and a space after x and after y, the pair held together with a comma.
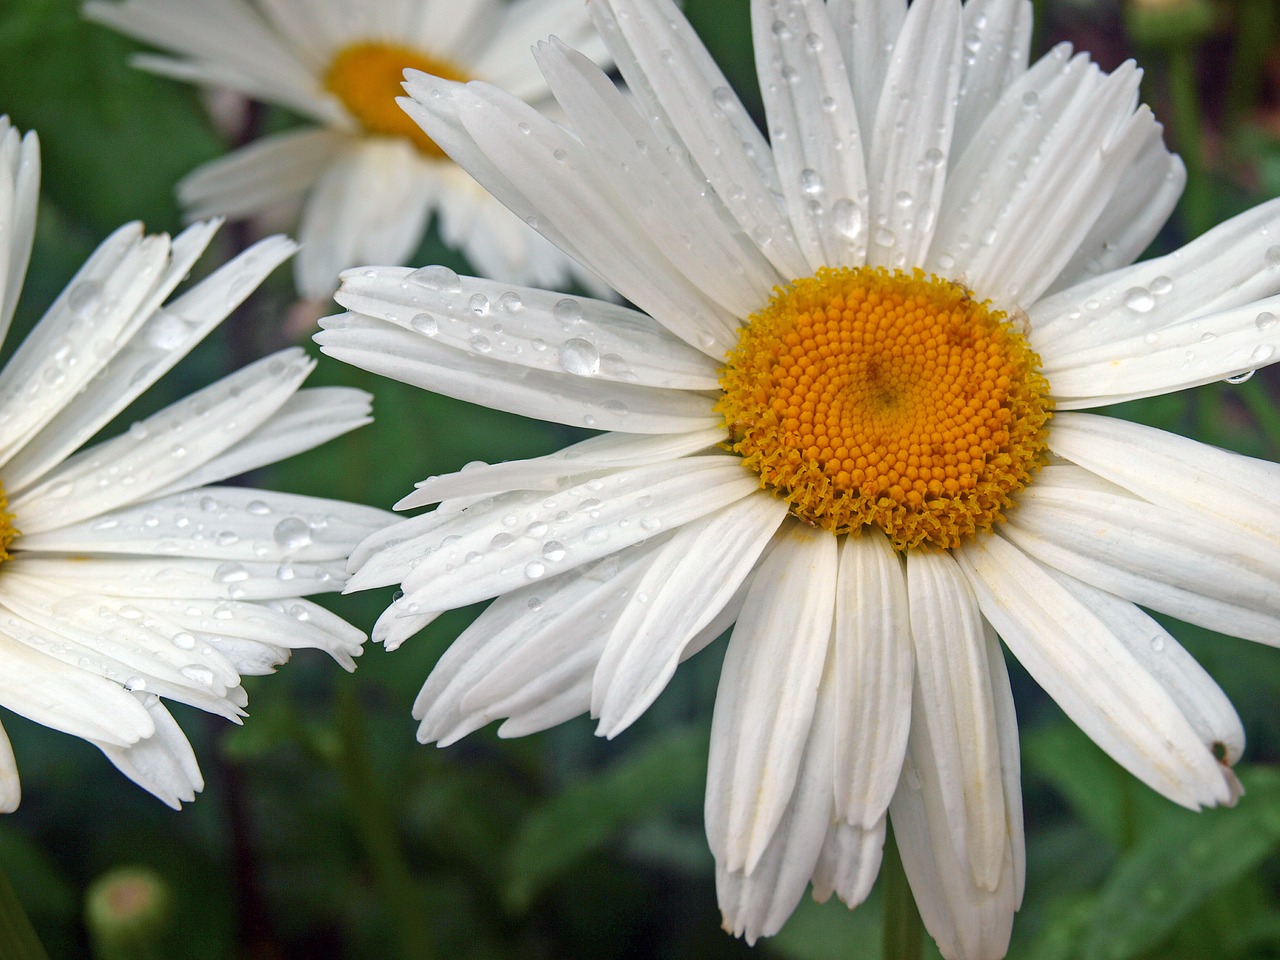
x: 325, y: 830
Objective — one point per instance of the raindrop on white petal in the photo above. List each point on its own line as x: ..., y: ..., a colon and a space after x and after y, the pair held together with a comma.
x: 184, y: 641
x: 438, y: 278
x: 534, y: 570
x: 1240, y: 377
x: 553, y: 550
x: 292, y: 533
x: 1139, y: 299
x: 84, y: 298
x: 199, y: 673
x: 425, y: 324
x: 1157, y: 643
x: 1272, y: 257
x: 579, y: 357
x: 230, y: 573
x: 1161, y: 286
x: 1265, y: 321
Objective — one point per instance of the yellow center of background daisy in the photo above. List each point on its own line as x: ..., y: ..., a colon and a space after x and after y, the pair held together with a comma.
x: 7, y: 530
x: 863, y: 396
x: 366, y: 77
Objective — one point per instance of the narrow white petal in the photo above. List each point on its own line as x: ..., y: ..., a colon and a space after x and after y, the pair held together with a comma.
x: 162, y: 448
x: 574, y: 527
x: 966, y: 919
x: 997, y: 42
x: 1185, y: 564
x: 167, y: 336
x: 276, y: 169
x: 598, y: 454
x: 1199, y: 698
x: 849, y: 862
x: 677, y: 83
x: 1166, y: 468
x: 915, y: 119
x: 10, y: 785
x: 813, y: 126
x: 690, y: 225
x: 163, y: 763
x: 1123, y: 363
x: 19, y: 196
x: 868, y: 31
x: 757, y: 902
x: 874, y: 666
x: 704, y: 564
x: 1096, y: 679
x: 1226, y: 268
x: 529, y: 328
x: 767, y: 694
x: 478, y: 377
x: 955, y: 702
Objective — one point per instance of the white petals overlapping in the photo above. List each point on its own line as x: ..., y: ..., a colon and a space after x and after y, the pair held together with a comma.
x: 856, y: 686
x: 125, y: 578
x: 363, y: 196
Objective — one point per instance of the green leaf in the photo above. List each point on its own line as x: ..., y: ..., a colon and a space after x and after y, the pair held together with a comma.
x: 1174, y: 869
x: 588, y: 815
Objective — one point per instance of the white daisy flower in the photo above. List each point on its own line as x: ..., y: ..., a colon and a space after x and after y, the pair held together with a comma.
x: 366, y: 177
x: 125, y: 575
x: 848, y: 417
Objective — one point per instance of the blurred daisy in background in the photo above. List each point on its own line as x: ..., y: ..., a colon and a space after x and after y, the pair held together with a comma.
x: 125, y: 575
x: 366, y: 177
x: 846, y: 415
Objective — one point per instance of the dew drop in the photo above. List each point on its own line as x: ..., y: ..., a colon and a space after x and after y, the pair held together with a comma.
x: 1139, y: 299
x: 1161, y: 286
x: 579, y: 357
x: 810, y: 182
x: 536, y: 530
x: 1265, y: 321
x: 1262, y: 354
x: 534, y: 569
x: 230, y: 573
x: 425, y: 324
x: 199, y: 673
x: 567, y: 310
x: 553, y: 550
x: 1157, y: 643
x: 480, y: 344
x: 511, y: 302
x: 438, y: 278
x: 184, y: 641
x: 650, y: 522
x: 292, y: 533
x: 84, y: 298
x: 1272, y: 257
x: 1240, y: 377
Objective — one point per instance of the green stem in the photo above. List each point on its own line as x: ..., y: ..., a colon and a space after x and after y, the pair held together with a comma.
x: 1197, y: 200
x: 18, y: 940
x: 372, y: 819
x: 903, y: 928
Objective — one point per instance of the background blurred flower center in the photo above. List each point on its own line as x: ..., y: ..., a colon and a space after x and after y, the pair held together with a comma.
x: 366, y: 77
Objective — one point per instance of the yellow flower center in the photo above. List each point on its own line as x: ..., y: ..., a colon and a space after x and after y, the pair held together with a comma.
x: 7, y: 530
x: 863, y: 396
x: 366, y: 77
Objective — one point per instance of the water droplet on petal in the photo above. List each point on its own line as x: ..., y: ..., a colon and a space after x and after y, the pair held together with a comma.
x: 425, y: 324
x: 292, y: 533
x: 1139, y: 299
x: 579, y: 357
x: 438, y: 278
x: 553, y: 550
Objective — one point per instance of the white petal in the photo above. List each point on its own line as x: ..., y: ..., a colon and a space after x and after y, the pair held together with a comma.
x: 868, y: 32
x: 677, y: 83
x: 813, y: 126
x: 10, y: 785
x: 874, y: 663
x: 1075, y: 656
x: 767, y: 694
x: 277, y: 169
x: 366, y: 208
x: 603, y: 516
x: 967, y: 920
x: 915, y: 118
x: 997, y: 41
x: 955, y: 702
x: 164, y: 763
x: 162, y: 448
x: 476, y: 377
x: 1172, y: 560
x: 690, y: 224
x: 529, y: 328
x: 167, y: 336
x: 1125, y: 364
x: 19, y: 196
x: 703, y: 565
x: 758, y: 902
x: 529, y: 647
x: 1226, y: 268
x: 598, y: 454
x: 1166, y: 468
x: 304, y: 421
x: 849, y: 862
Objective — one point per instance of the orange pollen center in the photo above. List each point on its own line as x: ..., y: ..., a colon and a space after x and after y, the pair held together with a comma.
x: 864, y: 396
x: 366, y: 77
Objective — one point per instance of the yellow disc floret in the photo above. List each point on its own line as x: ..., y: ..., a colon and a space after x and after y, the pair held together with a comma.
x: 864, y: 396
x: 366, y: 77
x: 7, y: 530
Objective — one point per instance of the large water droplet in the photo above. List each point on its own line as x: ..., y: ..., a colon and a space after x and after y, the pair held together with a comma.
x: 553, y: 550
x: 425, y: 324
x: 292, y: 533
x: 1139, y: 299
x: 580, y: 357
x: 438, y: 278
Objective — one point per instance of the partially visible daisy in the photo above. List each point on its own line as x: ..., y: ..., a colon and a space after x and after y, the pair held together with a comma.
x: 126, y: 574
x: 846, y: 418
x: 366, y: 176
